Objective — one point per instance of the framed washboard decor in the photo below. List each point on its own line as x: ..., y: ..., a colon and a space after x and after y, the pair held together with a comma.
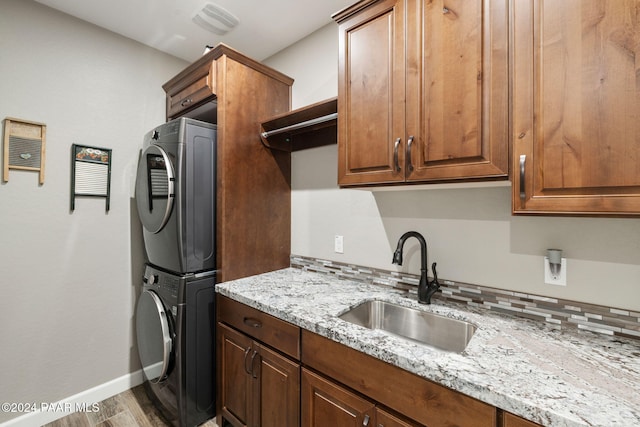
x: 24, y: 147
x: 90, y: 173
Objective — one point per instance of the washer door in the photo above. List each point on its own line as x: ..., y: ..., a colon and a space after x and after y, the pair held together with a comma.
x: 154, y: 329
x: 154, y: 188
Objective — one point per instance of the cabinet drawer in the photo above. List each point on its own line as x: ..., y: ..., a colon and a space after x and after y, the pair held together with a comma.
x: 417, y: 398
x: 198, y: 86
x: 281, y: 335
x: 510, y: 420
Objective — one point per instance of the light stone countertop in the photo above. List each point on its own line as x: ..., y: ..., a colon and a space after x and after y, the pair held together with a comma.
x: 552, y: 377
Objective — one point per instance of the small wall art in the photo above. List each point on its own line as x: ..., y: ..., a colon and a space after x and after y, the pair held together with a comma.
x: 24, y: 147
x: 90, y: 173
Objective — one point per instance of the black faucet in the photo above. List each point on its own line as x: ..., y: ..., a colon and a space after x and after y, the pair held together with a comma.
x: 426, y: 289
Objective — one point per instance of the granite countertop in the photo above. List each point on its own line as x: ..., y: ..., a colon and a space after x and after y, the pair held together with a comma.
x: 546, y: 375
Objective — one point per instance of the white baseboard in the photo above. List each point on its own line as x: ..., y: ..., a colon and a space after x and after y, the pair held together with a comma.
x: 84, y: 401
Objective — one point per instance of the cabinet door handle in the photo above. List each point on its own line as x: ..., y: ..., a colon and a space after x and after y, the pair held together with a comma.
x: 523, y: 193
x: 254, y: 323
x: 409, y: 162
x: 246, y: 353
x: 365, y: 422
x: 254, y: 373
x: 186, y: 102
x: 395, y: 155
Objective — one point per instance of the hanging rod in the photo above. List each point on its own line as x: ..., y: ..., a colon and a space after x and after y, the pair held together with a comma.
x: 300, y: 125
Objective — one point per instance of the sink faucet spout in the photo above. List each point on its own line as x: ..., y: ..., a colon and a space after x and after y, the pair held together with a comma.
x: 426, y: 289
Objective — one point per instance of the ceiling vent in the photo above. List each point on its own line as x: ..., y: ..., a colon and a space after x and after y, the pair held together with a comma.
x: 215, y: 19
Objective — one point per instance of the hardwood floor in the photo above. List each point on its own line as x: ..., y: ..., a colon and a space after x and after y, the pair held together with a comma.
x: 128, y: 409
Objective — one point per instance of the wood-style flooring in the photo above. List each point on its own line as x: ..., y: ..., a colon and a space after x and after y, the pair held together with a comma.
x: 128, y: 409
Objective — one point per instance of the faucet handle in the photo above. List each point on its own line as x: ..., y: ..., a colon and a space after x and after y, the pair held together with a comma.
x: 434, y: 282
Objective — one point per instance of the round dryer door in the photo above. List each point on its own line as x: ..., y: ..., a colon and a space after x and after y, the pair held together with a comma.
x: 154, y: 329
x: 154, y: 188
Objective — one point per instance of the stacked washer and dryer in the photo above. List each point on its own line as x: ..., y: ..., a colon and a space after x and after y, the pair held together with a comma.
x: 175, y: 313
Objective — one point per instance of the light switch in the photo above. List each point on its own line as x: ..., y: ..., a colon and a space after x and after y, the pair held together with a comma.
x: 338, y: 244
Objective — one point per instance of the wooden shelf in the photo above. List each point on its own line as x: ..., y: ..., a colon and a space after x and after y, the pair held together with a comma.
x: 307, y: 127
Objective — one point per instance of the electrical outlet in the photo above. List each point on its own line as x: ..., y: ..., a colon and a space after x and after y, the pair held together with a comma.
x: 338, y: 244
x: 559, y: 279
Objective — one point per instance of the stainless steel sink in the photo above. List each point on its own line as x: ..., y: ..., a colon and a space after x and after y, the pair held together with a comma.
x: 431, y: 329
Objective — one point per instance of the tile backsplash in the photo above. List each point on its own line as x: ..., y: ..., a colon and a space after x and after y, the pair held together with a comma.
x: 553, y: 311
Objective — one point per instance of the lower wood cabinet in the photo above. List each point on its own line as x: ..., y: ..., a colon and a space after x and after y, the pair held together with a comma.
x: 510, y: 420
x: 257, y: 386
x: 325, y: 403
x: 416, y: 398
x: 273, y: 374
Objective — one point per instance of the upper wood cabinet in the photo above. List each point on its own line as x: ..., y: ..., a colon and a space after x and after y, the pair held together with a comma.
x: 191, y: 89
x: 422, y: 91
x: 576, y: 100
x: 371, y: 86
x: 253, y: 183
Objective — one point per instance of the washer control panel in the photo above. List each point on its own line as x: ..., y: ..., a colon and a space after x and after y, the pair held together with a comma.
x: 164, y: 283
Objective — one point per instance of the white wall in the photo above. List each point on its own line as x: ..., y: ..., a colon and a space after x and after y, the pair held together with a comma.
x: 470, y: 231
x: 70, y: 279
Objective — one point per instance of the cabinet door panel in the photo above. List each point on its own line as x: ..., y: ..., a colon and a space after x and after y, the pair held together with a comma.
x: 371, y: 76
x: 457, y: 107
x: 452, y: 85
x: 326, y: 404
x: 371, y: 95
x: 279, y: 390
x: 235, y: 383
x: 588, y: 121
x: 577, y: 107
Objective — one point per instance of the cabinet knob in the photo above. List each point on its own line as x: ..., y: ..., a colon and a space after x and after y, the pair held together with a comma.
x: 365, y: 422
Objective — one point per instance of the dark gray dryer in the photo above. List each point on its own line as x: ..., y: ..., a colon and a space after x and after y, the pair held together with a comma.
x: 175, y: 195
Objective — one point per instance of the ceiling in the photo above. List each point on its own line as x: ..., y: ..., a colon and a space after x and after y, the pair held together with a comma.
x: 264, y: 28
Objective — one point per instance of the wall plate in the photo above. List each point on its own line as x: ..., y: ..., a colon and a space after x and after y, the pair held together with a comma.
x: 560, y: 279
